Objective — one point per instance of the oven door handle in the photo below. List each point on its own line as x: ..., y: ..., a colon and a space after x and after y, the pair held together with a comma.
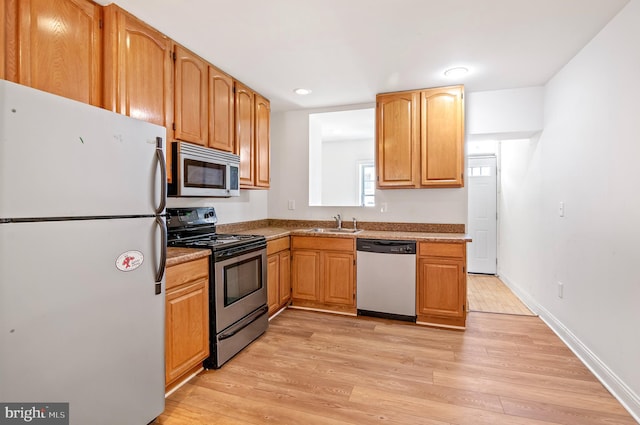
x: 244, y: 323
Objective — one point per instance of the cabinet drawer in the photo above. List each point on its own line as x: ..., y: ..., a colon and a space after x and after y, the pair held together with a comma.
x: 441, y: 249
x: 187, y: 272
x: 277, y: 245
x: 325, y: 244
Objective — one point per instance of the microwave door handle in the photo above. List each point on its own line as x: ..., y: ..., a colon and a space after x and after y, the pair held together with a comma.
x: 163, y: 176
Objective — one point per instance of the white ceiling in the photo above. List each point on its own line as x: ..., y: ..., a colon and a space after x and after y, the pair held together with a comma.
x: 346, y: 51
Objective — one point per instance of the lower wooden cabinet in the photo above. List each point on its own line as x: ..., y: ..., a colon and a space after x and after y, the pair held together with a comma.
x: 187, y: 319
x: 323, y: 273
x: 278, y: 274
x: 442, y: 284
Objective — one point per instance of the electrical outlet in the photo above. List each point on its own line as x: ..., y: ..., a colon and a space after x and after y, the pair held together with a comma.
x: 292, y: 204
x: 561, y: 209
x: 560, y: 289
x: 383, y: 207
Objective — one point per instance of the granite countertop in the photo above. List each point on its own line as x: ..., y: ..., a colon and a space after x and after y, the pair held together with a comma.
x: 177, y: 256
x: 278, y: 232
x: 181, y: 255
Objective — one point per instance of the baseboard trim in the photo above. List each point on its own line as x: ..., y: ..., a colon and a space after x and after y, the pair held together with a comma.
x: 277, y: 313
x: 343, y: 313
x: 606, y: 376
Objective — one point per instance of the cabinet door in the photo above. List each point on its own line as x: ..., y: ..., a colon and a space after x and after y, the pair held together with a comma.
x: 397, y: 140
x: 244, y: 133
x: 305, y: 275
x: 338, y: 278
x: 56, y: 46
x: 441, y: 288
x: 138, y: 71
x: 285, y: 277
x: 262, y: 142
x: 273, y: 282
x: 191, y: 79
x: 8, y: 19
x: 442, y: 137
x: 187, y: 328
x: 221, y: 110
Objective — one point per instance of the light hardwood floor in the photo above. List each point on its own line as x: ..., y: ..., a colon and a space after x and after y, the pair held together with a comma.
x: 490, y: 295
x: 317, y: 368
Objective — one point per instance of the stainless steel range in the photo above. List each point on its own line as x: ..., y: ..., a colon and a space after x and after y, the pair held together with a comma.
x: 237, y: 280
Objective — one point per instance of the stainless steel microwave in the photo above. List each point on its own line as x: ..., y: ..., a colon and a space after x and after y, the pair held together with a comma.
x: 203, y: 172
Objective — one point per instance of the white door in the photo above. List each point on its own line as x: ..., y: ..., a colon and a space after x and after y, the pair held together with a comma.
x: 482, y: 214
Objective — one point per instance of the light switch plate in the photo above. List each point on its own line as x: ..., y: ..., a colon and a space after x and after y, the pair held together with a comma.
x: 292, y: 204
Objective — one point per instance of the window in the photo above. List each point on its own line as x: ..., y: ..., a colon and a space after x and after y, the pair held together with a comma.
x: 367, y: 173
x: 479, y: 171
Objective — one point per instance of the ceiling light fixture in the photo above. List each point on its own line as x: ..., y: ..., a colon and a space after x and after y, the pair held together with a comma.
x: 302, y: 92
x: 456, y: 72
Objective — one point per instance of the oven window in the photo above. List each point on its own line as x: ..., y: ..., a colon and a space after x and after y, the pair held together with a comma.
x: 204, y: 174
x: 242, y: 279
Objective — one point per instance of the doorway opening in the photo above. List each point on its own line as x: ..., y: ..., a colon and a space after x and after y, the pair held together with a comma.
x: 485, y: 291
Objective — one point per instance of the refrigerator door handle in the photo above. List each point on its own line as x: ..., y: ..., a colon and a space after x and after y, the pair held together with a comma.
x: 163, y: 176
x: 163, y: 255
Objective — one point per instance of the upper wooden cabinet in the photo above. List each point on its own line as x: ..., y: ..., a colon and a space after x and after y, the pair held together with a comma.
x: 398, y: 132
x: 245, y: 146
x: 442, y: 137
x: 262, y: 161
x: 420, y: 138
x: 253, y: 137
x: 55, y: 46
x: 138, y: 68
x: 221, y: 110
x: 191, y: 93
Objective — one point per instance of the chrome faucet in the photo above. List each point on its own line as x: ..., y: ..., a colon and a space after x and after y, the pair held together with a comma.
x: 355, y: 222
x: 338, y: 219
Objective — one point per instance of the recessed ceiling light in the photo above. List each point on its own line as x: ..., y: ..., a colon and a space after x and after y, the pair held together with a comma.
x: 456, y: 72
x: 302, y: 92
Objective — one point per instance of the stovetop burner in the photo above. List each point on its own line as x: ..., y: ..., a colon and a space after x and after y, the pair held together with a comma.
x: 196, y: 227
x: 216, y: 239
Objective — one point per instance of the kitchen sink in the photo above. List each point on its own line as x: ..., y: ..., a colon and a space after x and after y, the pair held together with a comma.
x: 334, y: 230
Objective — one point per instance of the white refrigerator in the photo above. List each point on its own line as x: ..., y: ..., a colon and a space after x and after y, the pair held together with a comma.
x: 82, y: 253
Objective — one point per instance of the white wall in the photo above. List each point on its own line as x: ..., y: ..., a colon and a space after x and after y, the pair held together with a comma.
x: 290, y: 181
x: 505, y: 114
x: 250, y: 205
x: 586, y: 157
x: 340, y: 177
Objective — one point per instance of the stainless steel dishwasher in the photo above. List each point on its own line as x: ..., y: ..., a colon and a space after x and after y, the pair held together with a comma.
x: 386, y: 278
